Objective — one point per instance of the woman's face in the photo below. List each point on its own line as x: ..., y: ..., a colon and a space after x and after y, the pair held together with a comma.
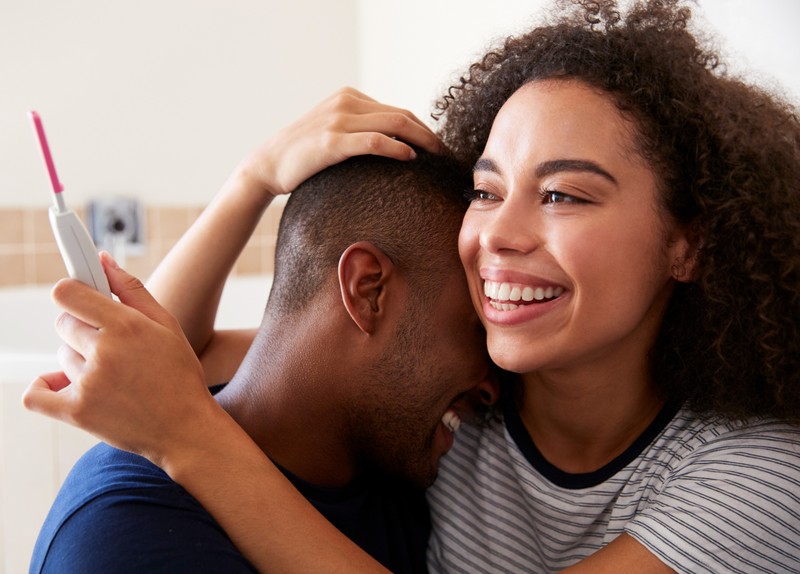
x: 567, y: 252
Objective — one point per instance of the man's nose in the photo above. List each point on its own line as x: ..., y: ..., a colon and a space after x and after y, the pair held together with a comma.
x: 487, y: 392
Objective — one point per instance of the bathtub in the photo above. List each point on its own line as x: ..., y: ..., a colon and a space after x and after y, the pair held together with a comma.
x: 28, y: 341
x: 36, y: 453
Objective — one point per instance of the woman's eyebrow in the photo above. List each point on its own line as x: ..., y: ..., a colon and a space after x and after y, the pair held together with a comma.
x: 550, y: 167
x: 485, y: 164
x: 560, y: 165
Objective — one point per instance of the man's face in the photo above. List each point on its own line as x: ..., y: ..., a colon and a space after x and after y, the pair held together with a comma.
x: 438, y: 355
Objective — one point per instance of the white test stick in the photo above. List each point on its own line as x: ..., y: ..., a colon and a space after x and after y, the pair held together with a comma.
x: 74, y: 242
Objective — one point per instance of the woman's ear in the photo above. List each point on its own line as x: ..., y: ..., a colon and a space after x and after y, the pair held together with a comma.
x: 364, y: 271
x: 687, y: 248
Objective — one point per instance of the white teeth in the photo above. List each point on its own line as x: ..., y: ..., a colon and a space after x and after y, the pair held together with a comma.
x: 451, y: 420
x: 527, y: 294
x: 503, y: 306
x: 504, y: 293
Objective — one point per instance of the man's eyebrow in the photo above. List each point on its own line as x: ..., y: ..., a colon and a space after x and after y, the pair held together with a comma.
x: 559, y: 165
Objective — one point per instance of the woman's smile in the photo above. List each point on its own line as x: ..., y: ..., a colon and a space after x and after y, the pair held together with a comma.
x: 509, y: 296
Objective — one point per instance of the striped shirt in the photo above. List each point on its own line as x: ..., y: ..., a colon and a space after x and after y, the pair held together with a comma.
x: 702, y: 495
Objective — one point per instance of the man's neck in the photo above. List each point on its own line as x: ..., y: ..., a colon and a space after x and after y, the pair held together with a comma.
x: 286, y: 397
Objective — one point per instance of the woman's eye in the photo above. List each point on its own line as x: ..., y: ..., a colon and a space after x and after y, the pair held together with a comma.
x: 480, y: 195
x: 553, y: 196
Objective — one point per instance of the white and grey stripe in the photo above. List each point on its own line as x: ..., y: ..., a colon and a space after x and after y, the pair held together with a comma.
x: 691, y: 491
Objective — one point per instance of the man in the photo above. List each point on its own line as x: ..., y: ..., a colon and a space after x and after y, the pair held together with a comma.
x: 364, y: 361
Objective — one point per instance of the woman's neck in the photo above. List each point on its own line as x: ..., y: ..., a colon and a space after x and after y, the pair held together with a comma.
x: 582, y: 419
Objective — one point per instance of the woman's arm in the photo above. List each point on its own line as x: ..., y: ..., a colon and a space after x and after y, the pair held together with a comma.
x: 160, y: 408
x: 190, y: 279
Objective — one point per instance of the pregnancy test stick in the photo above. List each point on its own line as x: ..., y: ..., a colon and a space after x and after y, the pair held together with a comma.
x: 74, y: 242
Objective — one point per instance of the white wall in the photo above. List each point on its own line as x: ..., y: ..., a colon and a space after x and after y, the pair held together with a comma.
x: 158, y: 99
x: 761, y: 38
x: 410, y: 50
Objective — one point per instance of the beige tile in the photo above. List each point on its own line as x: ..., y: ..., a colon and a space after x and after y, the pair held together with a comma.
x: 12, y: 269
x: 264, y: 223
x: 160, y: 249
x: 269, y: 257
x: 12, y: 227
x: 153, y: 229
x: 141, y: 266
x: 250, y: 262
x: 192, y: 213
x: 38, y: 228
x: 48, y: 266
x: 172, y: 223
x: 271, y: 219
x: 261, y: 230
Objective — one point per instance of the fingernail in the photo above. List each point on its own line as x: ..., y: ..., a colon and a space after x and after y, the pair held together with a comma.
x: 110, y: 260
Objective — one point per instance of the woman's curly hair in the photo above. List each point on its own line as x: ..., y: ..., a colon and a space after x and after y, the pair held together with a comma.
x: 727, y: 155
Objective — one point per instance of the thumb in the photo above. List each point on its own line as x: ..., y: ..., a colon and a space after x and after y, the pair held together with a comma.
x: 132, y: 292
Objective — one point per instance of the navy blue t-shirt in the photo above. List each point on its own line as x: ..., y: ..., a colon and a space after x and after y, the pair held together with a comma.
x: 117, y: 512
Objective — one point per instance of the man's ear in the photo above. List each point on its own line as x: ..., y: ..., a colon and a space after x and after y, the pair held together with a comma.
x: 364, y: 271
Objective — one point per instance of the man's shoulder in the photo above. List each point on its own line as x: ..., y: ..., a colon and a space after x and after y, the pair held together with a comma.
x: 104, y: 469
x: 111, y: 467
x: 118, y: 512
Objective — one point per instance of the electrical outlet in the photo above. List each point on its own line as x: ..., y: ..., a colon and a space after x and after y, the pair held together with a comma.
x: 117, y: 224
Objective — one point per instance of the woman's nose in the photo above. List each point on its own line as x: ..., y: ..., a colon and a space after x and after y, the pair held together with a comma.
x: 511, y: 227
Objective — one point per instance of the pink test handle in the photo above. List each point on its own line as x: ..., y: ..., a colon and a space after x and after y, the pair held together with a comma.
x: 48, y: 159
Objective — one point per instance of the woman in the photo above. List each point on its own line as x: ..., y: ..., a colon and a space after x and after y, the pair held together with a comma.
x: 624, y: 174
x: 632, y: 250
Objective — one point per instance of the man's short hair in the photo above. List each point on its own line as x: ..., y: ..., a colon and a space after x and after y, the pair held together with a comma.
x: 411, y: 210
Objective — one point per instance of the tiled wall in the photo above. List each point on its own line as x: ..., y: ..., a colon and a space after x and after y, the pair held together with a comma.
x: 29, y: 256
